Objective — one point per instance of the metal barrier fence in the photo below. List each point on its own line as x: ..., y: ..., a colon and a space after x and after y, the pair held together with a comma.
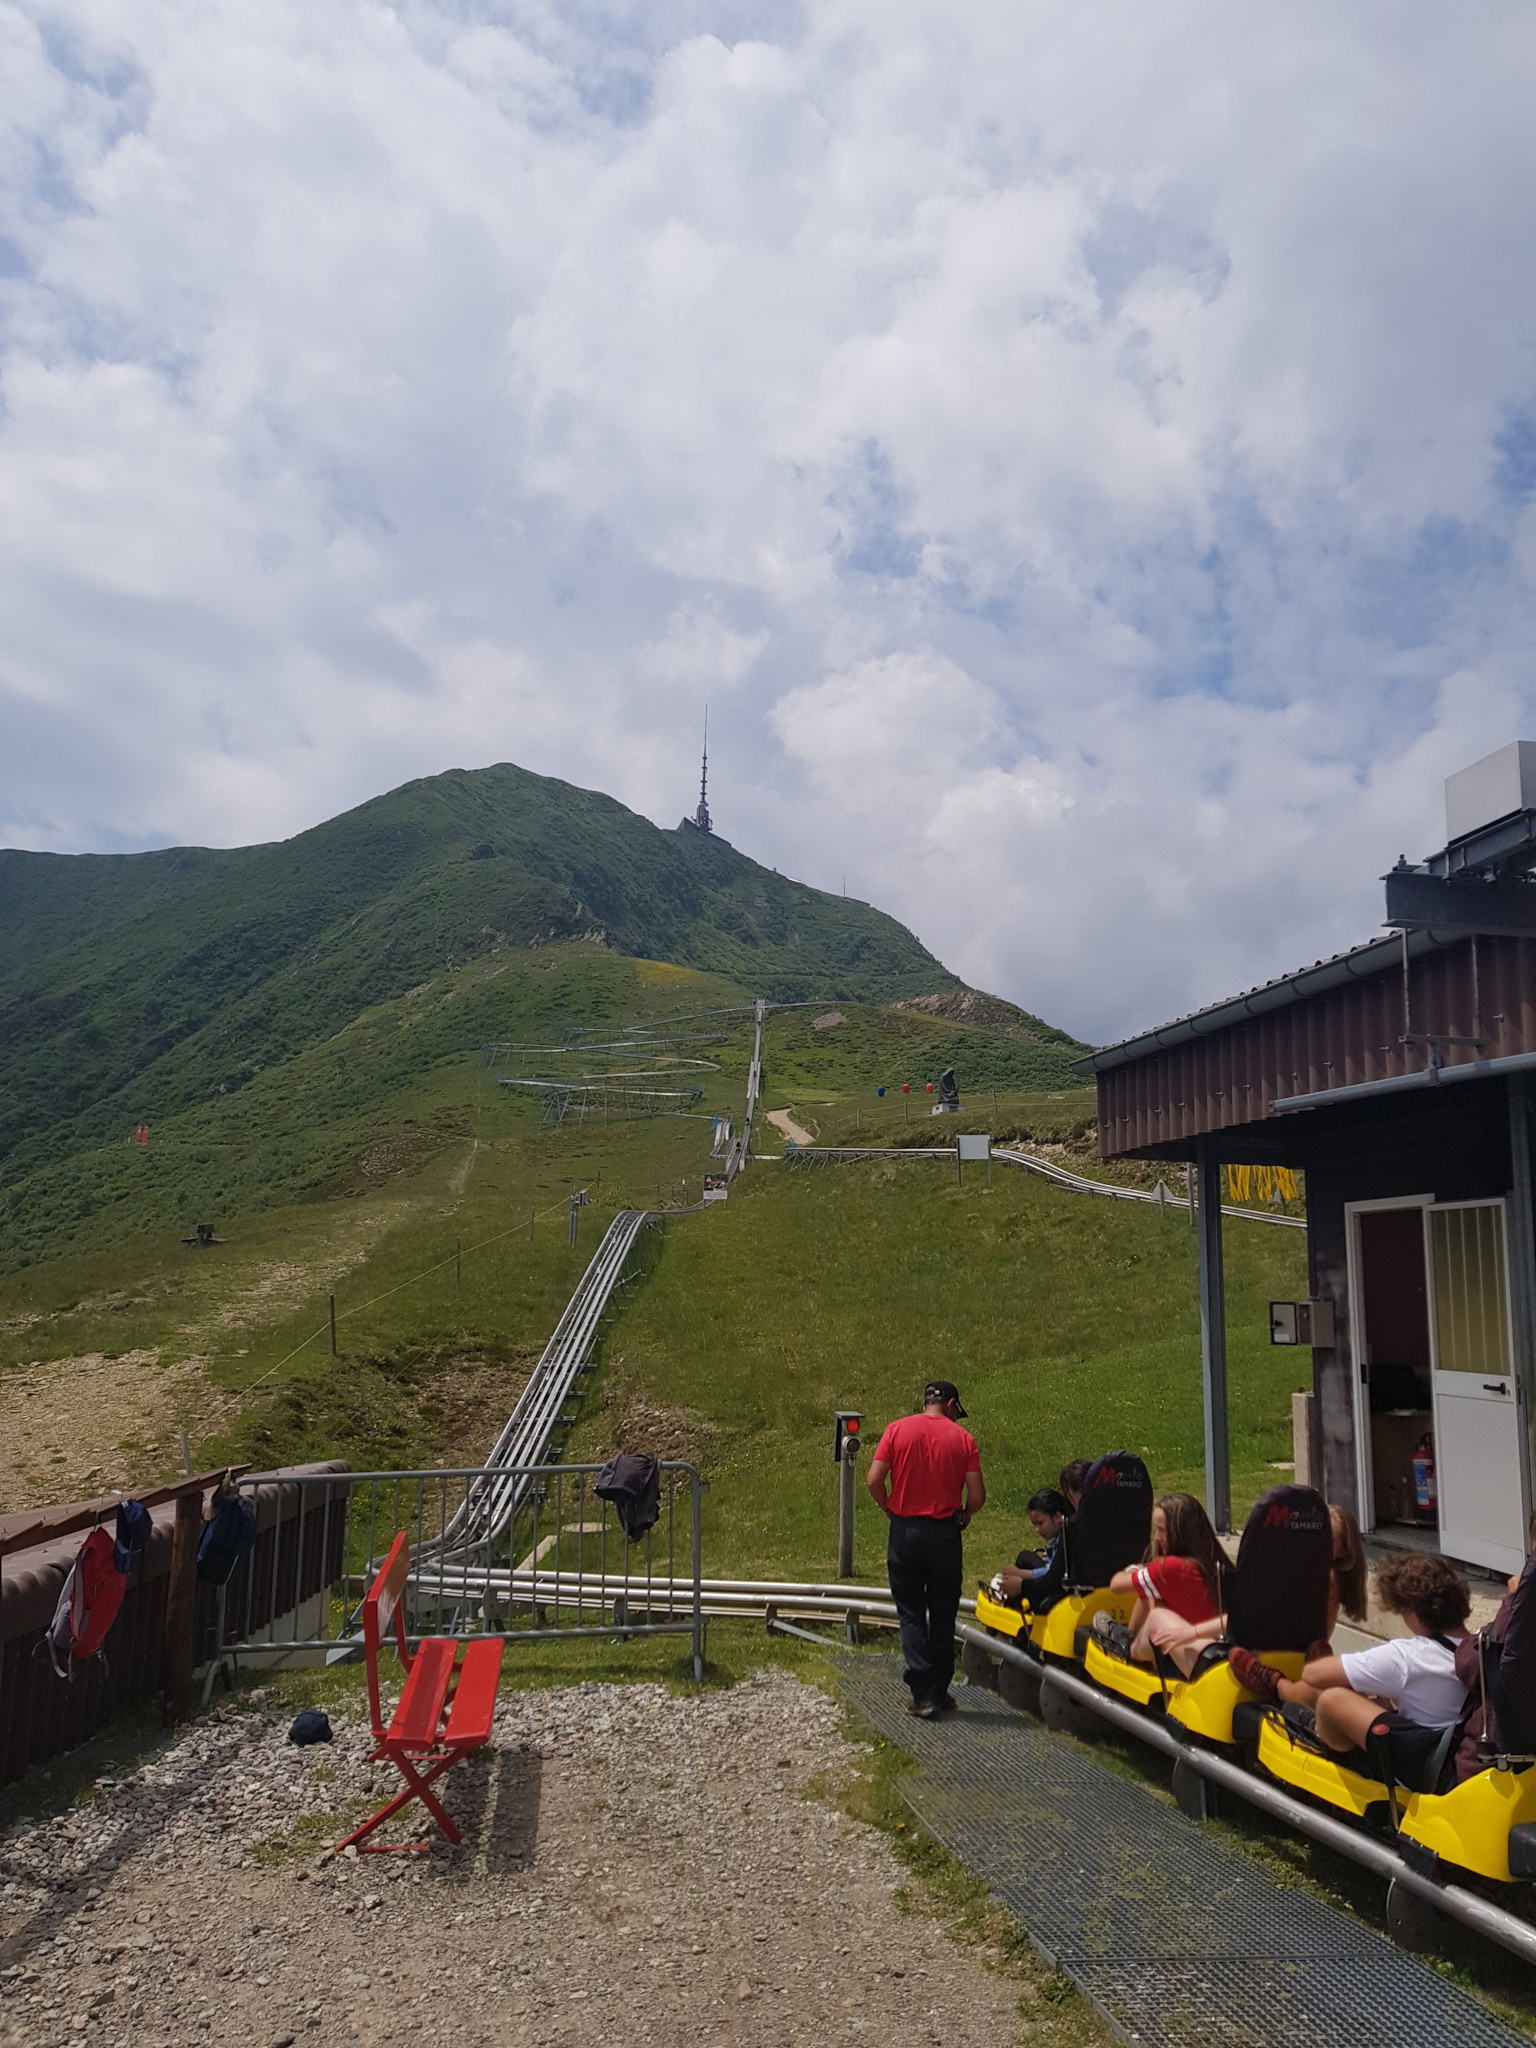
x: 522, y: 1552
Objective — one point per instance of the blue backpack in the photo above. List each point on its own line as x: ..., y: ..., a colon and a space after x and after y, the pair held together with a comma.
x: 133, y: 1527
x: 227, y: 1537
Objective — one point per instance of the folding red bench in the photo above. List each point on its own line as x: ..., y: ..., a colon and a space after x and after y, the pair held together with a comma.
x: 444, y: 1712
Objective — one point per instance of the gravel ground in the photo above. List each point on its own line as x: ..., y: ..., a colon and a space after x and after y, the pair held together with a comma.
x: 635, y: 1866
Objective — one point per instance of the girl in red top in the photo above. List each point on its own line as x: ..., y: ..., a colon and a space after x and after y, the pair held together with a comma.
x: 1177, y: 1588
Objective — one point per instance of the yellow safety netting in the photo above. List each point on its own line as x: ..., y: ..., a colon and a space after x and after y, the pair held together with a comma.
x: 1260, y: 1183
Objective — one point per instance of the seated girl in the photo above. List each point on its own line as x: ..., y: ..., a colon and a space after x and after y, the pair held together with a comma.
x: 1397, y: 1701
x: 1177, y: 1588
x: 1346, y: 1594
x: 1048, y: 1510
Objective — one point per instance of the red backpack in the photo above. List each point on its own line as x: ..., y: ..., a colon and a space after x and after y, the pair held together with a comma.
x: 88, y: 1604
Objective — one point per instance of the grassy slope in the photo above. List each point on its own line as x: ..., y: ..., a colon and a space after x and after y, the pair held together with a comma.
x: 354, y: 1168
x: 1070, y: 1324
x: 811, y: 1289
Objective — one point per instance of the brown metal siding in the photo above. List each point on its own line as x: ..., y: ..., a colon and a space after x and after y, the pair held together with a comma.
x: 1332, y: 1040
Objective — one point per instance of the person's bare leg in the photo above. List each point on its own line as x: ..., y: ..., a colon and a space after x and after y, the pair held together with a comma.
x: 1178, y: 1639
x: 1294, y: 1692
x: 1345, y: 1718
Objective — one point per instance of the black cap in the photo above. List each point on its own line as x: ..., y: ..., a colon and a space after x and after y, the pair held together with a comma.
x: 943, y: 1391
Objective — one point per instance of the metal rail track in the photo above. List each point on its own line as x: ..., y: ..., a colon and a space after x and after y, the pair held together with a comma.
x: 490, y: 1507
x: 1080, y: 1184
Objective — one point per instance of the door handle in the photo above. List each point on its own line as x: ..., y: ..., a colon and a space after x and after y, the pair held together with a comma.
x: 1490, y: 1388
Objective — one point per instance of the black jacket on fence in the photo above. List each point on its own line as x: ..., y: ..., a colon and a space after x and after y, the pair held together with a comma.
x: 632, y: 1481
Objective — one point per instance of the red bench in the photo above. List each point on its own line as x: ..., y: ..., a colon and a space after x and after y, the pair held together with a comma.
x: 444, y: 1712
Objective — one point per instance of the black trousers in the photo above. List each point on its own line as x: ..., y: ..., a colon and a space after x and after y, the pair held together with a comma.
x: 923, y: 1560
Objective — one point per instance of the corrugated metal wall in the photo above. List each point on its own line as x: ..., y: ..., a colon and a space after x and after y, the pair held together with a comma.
x: 1345, y: 1035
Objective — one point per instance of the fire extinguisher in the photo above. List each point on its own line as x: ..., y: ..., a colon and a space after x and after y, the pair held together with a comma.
x: 1426, y: 1504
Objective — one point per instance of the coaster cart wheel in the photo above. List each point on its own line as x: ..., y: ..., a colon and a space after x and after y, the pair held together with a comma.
x: 1019, y: 1685
x: 977, y: 1667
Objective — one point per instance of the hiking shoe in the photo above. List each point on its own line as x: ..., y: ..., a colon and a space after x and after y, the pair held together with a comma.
x: 1114, y: 1637
x: 1258, y: 1678
x: 925, y: 1710
x: 944, y: 1704
x: 1301, y: 1722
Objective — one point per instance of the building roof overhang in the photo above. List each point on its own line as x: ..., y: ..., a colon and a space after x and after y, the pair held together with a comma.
x: 1376, y: 956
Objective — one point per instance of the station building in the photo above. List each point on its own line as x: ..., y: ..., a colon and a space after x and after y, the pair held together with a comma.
x: 1400, y: 1078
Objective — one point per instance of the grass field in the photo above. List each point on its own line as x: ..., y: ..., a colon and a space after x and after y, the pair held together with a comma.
x: 1071, y: 1323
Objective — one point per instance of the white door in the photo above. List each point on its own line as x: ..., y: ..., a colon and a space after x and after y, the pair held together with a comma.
x: 1477, y: 1405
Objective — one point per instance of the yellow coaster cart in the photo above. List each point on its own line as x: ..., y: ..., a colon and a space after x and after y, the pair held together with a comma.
x: 1276, y: 1603
x: 1486, y: 1824
x: 1109, y: 1531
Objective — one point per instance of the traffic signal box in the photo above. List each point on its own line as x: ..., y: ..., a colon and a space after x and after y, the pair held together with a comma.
x: 845, y: 1440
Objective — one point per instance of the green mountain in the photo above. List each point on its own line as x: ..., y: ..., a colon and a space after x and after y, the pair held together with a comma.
x: 142, y: 987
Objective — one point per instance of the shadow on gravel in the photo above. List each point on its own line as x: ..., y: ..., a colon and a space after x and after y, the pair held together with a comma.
x: 494, y: 1798
x: 511, y: 1836
x: 130, y: 1828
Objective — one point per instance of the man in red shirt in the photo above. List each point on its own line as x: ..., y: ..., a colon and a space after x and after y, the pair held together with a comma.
x: 933, y: 1467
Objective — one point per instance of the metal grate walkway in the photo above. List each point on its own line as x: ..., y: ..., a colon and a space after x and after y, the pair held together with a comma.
x: 1178, y: 1940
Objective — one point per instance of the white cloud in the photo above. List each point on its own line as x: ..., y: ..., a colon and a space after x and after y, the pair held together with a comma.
x: 1081, y: 455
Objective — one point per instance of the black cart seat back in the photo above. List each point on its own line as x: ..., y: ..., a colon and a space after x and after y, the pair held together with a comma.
x: 1510, y: 1666
x: 1113, y: 1523
x: 1277, y: 1592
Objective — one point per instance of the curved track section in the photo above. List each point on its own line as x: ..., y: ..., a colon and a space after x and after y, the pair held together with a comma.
x: 1080, y: 1184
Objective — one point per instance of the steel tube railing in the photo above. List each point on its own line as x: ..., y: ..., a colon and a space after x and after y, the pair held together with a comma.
x: 1080, y: 1184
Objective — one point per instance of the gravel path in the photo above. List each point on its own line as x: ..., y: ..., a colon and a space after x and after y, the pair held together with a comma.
x: 636, y: 1867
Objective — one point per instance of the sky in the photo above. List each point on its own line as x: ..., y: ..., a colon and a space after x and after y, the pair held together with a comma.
x: 1085, y: 457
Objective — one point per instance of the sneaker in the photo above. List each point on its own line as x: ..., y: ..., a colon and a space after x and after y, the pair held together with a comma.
x: 925, y: 1710
x: 944, y: 1704
x: 1114, y: 1637
x: 1301, y: 1722
x: 1262, y: 1680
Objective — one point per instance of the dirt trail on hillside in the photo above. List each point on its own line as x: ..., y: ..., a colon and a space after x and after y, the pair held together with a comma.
x: 78, y: 1427
x: 785, y: 1124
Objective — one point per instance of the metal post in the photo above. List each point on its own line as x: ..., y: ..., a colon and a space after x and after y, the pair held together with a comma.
x: 846, y: 1479
x: 333, y: 1326
x: 1522, y: 1260
x: 1213, y: 1337
x: 458, y: 1272
x: 571, y: 1232
x: 696, y: 1490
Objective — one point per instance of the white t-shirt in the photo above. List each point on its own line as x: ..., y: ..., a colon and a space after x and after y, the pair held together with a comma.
x: 1417, y: 1674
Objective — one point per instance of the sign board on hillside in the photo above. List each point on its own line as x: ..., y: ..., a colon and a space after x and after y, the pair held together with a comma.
x: 974, y: 1148
x: 716, y: 1187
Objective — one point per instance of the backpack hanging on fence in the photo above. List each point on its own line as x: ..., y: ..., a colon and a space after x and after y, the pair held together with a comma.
x: 133, y: 1527
x: 227, y: 1537
x: 88, y: 1605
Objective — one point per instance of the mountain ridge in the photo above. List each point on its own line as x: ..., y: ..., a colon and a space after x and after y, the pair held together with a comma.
x: 136, y: 985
